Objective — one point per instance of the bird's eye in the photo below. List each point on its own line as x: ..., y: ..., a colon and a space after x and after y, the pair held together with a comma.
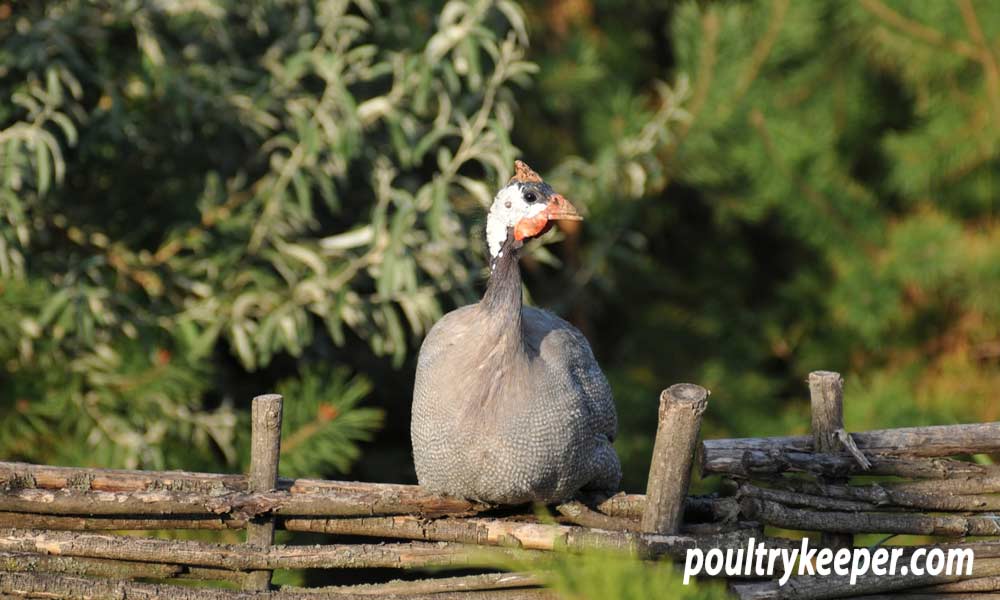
x: 530, y: 196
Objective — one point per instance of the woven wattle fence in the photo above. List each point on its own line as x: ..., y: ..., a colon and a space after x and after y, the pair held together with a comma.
x: 60, y: 527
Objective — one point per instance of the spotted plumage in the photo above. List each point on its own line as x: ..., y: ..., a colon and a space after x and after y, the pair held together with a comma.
x: 509, y: 403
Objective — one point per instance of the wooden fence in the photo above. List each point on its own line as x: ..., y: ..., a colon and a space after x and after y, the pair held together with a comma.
x: 56, y: 523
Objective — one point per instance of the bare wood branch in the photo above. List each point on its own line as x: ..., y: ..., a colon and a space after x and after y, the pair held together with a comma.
x: 77, y: 523
x: 754, y: 463
x: 833, y: 586
x: 15, y: 475
x: 23, y: 488
x: 681, y: 408
x: 115, y: 569
x: 265, y: 450
x: 697, y: 510
x: 886, y: 495
x: 626, y: 506
x: 536, y: 536
x: 61, y: 586
x: 297, y: 496
x: 920, y: 595
x: 246, y: 558
x: 747, y: 490
x: 581, y: 515
x: 18, y: 562
x: 773, y: 513
x: 465, y: 583
x: 979, y: 584
x: 977, y: 483
x: 934, y: 441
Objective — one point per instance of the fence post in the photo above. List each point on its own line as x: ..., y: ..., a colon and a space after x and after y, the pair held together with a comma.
x: 826, y: 393
x: 264, y: 451
x: 681, y: 407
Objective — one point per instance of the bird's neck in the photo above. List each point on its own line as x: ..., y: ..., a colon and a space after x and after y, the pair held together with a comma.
x: 502, y: 300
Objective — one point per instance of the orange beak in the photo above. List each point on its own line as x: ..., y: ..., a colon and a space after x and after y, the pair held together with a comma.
x: 559, y: 209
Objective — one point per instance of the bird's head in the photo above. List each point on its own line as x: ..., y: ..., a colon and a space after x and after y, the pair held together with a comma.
x: 526, y: 206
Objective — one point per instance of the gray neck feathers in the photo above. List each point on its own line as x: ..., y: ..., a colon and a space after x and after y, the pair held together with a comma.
x: 502, y: 358
x: 502, y: 300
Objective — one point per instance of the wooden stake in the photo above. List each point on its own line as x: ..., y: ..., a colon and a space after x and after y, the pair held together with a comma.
x: 264, y: 452
x: 681, y: 407
x: 826, y: 391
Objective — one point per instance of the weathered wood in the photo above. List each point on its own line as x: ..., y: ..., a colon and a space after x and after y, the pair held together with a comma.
x: 535, y: 536
x: 788, y: 498
x: 265, y: 451
x: 464, y: 583
x: 583, y: 516
x: 779, y: 515
x: 757, y: 463
x: 884, y: 496
x: 918, y: 595
x: 835, y: 586
x: 14, y: 475
x: 932, y: 441
x: 79, y: 523
x: 28, y: 562
x: 681, y: 408
x: 247, y: 558
x: 219, y: 493
x: 61, y: 586
x: 976, y: 483
x: 697, y: 510
x: 826, y: 395
x: 979, y: 584
x: 115, y: 569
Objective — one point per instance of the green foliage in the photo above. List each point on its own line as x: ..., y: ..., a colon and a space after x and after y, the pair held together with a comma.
x: 827, y: 200
x: 186, y: 182
x: 204, y: 200
x: 322, y: 422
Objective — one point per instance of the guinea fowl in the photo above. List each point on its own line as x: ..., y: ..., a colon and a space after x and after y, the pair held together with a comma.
x: 509, y: 404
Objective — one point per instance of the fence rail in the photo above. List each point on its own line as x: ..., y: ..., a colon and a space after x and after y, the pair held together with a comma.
x: 56, y: 523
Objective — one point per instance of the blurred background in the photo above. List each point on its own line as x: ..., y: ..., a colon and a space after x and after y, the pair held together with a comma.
x: 205, y: 200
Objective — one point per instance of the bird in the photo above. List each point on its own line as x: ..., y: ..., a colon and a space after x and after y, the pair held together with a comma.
x: 509, y: 404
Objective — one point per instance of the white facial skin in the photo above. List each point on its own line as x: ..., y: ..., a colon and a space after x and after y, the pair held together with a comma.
x: 509, y: 207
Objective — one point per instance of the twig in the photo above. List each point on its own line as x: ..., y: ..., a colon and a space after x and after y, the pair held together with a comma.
x: 918, y: 30
x: 984, y: 52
